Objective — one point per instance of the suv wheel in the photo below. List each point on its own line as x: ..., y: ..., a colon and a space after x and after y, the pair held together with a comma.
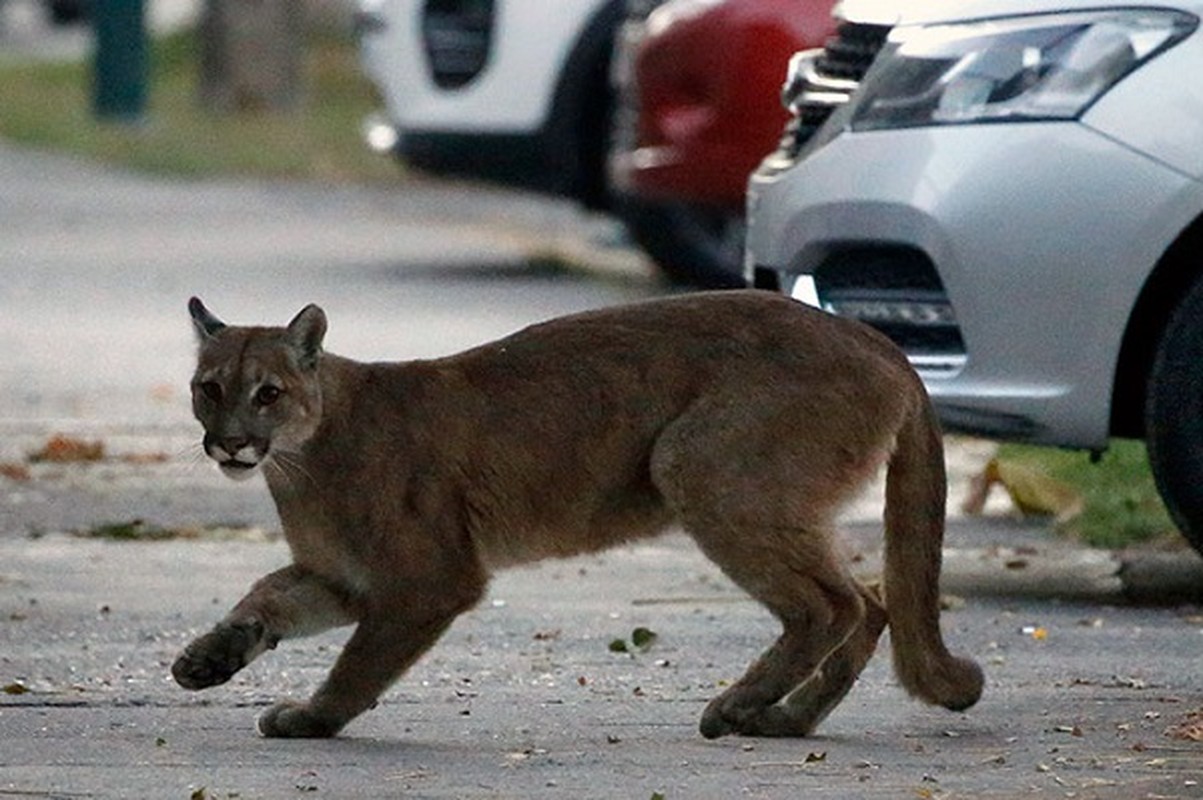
x: 691, y: 245
x: 1174, y: 416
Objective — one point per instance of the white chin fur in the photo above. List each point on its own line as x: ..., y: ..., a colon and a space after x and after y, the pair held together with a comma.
x: 238, y: 473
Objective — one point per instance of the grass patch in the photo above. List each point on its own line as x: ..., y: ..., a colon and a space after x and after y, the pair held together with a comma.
x: 48, y: 106
x: 1121, y: 505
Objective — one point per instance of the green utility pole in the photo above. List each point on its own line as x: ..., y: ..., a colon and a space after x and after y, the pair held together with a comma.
x: 122, y: 63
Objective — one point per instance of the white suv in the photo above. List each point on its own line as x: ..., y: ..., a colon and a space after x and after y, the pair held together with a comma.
x: 1013, y: 191
x: 521, y: 93
x: 514, y: 91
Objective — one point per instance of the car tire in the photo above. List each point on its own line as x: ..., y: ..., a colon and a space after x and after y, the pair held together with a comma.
x: 692, y: 245
x: 1174, y: 416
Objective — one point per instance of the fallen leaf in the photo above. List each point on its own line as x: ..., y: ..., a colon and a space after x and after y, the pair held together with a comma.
x: 643, y: 638
x: 1189, y: 729
x: 14, y: 472
x: 133, y: 530
x: 1033, y: 492
x: 142, y: 459
x: 60, y: 449
x: 951, y: 602
x: 618, y: 646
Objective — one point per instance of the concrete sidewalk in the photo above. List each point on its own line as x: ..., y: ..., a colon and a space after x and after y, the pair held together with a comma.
x: 525, y: 698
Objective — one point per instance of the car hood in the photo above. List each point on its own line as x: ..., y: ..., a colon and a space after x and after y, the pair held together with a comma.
x: 893, y: 12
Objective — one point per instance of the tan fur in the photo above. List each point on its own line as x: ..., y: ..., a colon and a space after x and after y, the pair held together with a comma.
x: 745, y: 417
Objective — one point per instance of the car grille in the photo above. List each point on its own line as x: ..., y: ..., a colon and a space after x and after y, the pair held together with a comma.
x: 829, y: 83
x: 897, y: 290
x: 457, y: 35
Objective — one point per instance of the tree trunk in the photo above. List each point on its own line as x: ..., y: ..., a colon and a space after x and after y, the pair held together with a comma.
x: 251, y: 55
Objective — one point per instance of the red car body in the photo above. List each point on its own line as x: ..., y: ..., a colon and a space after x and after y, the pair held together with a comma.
x: 707, y: 76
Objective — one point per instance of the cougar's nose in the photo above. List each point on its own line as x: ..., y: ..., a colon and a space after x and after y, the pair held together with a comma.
x: 225, y: 447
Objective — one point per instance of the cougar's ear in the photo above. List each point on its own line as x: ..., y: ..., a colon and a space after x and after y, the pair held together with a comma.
x: 203, y: 320
x: 307, y: 330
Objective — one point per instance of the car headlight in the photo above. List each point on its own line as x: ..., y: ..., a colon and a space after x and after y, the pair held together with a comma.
x: 1042, y: 67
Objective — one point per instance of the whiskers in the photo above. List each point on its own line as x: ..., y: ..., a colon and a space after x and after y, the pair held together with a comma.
x: 192, y: 456
x: 289, y: 467
x: 187, y: 461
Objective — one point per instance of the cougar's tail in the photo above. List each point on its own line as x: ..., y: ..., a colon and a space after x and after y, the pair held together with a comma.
x: 914, y: 525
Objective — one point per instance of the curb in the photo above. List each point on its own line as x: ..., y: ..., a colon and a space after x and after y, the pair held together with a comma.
x: 1084, y: 575
x: 1081, y: 575
x: 1162, y: 578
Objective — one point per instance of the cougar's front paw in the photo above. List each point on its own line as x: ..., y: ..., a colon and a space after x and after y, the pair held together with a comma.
x: 296, y: 721
x: 215, y: 657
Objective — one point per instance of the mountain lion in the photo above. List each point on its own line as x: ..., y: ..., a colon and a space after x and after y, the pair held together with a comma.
x: 745, y: 417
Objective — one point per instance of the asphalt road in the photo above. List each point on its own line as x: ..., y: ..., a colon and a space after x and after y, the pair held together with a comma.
x: 523, y: 697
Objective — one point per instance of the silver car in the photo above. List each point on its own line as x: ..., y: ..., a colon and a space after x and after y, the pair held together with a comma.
x: 1012, y: 191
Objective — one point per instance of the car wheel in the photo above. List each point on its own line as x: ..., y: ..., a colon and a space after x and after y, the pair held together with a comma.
x: 1174, y: 416
x: 691, y: 245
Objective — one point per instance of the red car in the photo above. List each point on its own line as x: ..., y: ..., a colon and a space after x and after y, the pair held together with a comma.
x: 699, y: 83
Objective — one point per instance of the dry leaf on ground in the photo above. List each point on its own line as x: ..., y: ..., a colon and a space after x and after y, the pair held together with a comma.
x: 14, y: 472
x: 1033, y: 492
x: 60, y: 449
x: 1190, y: 729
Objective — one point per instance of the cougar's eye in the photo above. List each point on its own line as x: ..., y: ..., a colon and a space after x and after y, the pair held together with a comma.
x: 211, y: 390
x: 267, y: 394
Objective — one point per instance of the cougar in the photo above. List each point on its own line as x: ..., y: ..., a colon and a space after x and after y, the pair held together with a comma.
x: 744, y: 417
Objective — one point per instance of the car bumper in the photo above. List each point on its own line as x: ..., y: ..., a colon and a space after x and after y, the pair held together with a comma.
x: 690, y: 171
x: 1036, y: 254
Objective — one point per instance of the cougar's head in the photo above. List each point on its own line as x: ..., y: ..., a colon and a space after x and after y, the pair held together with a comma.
x: 256, y: 390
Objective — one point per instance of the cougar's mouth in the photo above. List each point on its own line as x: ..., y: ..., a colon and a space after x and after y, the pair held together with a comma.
x: 236, y: 459
x: 235, y: 468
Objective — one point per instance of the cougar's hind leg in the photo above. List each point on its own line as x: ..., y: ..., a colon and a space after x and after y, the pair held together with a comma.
x: 818, y: 611
x: 810, y: 703
x: 761, y: 507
